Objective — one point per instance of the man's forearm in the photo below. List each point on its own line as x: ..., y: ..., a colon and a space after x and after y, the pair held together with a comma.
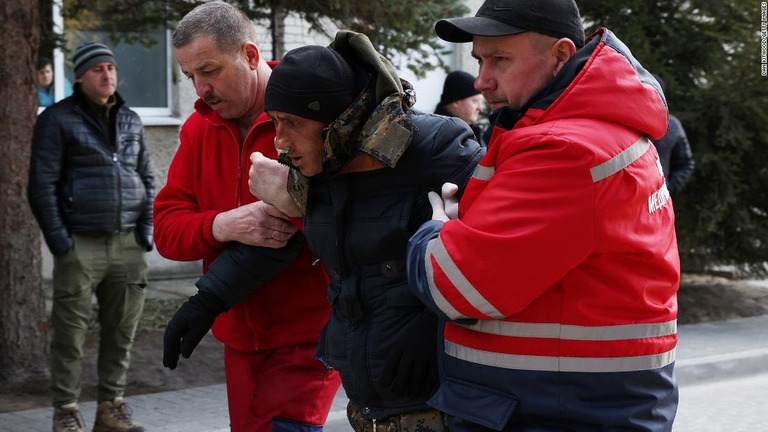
x: 241, y: 269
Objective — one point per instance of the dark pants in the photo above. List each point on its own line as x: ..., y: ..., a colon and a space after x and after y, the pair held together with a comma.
x: 114, y: 268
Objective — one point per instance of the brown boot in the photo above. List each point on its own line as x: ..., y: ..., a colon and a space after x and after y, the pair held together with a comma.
x: 67, y: 418
x: 115, y: 416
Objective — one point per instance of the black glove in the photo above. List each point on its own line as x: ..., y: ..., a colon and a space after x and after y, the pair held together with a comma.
x: 411, y: 366
x: 188, y: 326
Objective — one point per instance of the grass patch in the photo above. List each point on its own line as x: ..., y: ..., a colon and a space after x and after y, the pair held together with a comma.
x: 157, y: 313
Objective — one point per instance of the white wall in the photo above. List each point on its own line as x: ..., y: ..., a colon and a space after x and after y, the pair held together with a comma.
x: 429, y: 88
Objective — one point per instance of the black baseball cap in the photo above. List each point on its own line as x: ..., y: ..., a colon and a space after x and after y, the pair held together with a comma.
x: 557, y: 18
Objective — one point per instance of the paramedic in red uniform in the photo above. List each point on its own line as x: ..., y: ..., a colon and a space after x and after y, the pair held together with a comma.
x: 557, y: 280
x: 274, y: 383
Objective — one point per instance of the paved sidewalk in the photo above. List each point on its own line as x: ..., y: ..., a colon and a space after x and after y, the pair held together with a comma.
x: 707, y: 352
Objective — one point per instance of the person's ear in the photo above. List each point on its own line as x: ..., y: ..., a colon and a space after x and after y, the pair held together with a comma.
x: 562, y: 51
x: 252, y: 54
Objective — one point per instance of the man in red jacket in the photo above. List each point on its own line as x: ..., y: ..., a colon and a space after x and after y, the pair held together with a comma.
x: 273, y: 380
x: 557, y: 275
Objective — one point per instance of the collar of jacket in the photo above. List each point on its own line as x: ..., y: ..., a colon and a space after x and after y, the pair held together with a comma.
x: 77, y: 93
x: 376, y: 123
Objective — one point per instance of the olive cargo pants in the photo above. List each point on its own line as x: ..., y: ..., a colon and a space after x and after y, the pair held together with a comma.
x: 114, y: 268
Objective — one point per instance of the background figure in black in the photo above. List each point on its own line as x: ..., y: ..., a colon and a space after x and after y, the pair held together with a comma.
x: 674, y: 152
x: 461, y: 99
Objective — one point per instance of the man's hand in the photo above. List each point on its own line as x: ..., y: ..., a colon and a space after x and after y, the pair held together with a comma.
x: 189, y: 324
x: 255, y: 224
x: 445, y: 207
x: 268, y: 181
x: 450, y: 202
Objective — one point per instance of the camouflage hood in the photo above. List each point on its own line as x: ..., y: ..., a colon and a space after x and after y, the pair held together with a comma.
x: 376, y: 123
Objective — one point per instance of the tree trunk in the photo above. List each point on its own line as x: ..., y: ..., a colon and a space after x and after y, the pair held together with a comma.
x: 23, y: 323
x: 277, y: 29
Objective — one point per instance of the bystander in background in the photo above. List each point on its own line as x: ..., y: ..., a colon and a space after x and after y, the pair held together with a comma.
x: 91, y: 190
x: 461, y: 99
x: 674, y: 152
x: 45, y: 83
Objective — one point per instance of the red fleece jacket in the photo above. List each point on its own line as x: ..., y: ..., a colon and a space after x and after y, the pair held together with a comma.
x: 209, y: 175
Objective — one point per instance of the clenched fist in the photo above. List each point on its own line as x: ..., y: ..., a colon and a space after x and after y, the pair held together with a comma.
x: 268, y: 181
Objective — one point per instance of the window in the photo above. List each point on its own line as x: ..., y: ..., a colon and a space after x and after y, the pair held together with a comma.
x: 143, y: 72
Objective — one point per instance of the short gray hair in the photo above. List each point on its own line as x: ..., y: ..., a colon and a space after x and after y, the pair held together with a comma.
x: 227, y: 25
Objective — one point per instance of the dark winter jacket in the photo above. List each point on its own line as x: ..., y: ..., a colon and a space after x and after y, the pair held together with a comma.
x: 675, y: 155
x: 359, y: 224
x: 80, y: 183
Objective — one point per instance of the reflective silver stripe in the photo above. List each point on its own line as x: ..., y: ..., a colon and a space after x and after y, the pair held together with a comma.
x: 483, y: 172
x: 621, y: 160
x: 437, y: 296
x: 560, y: 364
x: 573, y: 332
x: 460, y: 282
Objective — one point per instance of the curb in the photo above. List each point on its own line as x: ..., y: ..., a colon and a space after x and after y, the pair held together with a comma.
x: 721, y: 366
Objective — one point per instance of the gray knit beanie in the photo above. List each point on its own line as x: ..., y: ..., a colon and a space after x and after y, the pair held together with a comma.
x: 89, y: 54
